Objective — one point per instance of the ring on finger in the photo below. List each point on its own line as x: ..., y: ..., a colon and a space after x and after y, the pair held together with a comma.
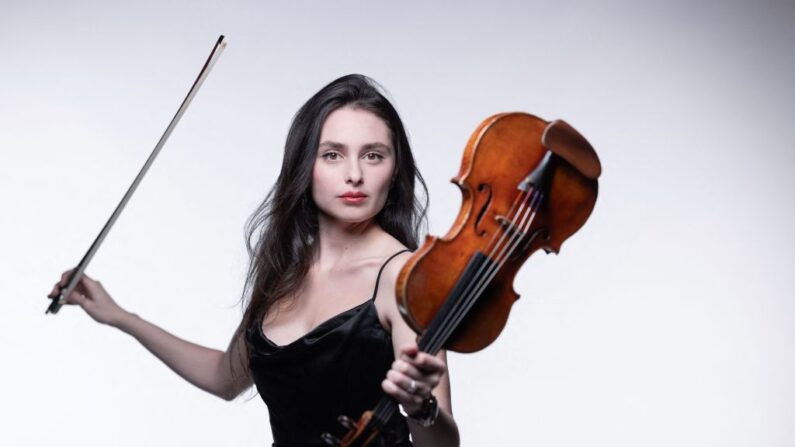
x: 412, y: 386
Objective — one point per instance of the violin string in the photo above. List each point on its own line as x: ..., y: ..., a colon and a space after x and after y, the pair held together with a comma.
x: 463, y: 305
x: 495, y: 268
x: 384, y: 410
x: 520, y: 201
x: 386, y: 407
x: 492, y: 269
x: 460, y: 305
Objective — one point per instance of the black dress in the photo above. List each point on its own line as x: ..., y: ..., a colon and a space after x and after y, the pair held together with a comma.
x: 336, y: 369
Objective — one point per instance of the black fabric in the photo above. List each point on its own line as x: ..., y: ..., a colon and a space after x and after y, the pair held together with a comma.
x: 336, y: 369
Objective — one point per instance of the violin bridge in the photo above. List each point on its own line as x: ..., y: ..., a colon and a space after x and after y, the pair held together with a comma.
x: 510, y: 227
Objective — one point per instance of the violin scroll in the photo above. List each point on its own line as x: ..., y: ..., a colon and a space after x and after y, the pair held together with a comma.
x: 361, y: 433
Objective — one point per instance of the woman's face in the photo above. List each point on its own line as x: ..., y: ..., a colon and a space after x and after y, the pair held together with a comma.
x: 354, y: 165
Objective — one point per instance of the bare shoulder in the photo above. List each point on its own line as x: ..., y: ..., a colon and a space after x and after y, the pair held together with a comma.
x: 385, y: 301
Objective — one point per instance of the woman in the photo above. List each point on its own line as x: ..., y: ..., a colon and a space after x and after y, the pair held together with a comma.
x: 321, y: 335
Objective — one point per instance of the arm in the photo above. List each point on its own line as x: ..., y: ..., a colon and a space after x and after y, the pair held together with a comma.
x: 429, y: 372
x: 224, y: 374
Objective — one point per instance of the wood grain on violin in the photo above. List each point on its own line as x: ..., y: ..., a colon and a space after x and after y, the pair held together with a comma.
x: 499, y: 156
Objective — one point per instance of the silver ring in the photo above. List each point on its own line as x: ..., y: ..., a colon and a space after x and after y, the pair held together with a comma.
x: 413, y: 386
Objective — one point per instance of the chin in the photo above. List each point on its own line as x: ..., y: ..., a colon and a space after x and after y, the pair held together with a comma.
x: 351, y: 216
x: 358, y: 218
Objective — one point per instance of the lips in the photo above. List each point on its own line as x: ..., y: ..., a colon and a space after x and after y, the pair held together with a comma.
x: 353, y: 195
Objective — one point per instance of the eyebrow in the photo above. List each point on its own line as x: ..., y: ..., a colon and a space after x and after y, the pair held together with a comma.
x: 368, y: 146
x: 378, y: 146
x: 333, y: 144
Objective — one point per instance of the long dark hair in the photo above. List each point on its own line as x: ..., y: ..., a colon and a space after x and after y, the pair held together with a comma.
x: 282, y: 232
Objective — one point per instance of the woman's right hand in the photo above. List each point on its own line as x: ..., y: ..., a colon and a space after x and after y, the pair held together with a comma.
x: 92, y: 297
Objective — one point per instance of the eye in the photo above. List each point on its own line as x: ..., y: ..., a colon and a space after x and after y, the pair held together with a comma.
x: 331, y: 156
x: 373, y: 156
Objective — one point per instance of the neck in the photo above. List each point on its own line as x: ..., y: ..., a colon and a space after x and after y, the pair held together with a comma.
x: 341, y: 241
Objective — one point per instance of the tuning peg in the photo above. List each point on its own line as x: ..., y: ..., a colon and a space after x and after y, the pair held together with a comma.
x: 346, y: 422
x: 329, y: 439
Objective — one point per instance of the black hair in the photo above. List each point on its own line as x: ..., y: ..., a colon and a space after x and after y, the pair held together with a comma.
x: 282, y: 232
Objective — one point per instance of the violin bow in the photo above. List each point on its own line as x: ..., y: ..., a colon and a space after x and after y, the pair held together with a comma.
x: 77, y: 273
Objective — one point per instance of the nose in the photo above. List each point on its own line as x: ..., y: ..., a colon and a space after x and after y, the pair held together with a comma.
x: 353, y: 174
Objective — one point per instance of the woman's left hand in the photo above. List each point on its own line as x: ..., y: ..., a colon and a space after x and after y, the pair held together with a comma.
x: 413, y: 377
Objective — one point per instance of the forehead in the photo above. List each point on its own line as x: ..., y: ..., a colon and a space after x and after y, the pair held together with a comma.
x: 355, y: 126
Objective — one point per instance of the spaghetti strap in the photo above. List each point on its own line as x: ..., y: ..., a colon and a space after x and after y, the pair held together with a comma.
x: 378, y: 278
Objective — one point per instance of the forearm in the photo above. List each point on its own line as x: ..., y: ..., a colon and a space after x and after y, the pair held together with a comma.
x: 443, y: 433
x: 201, y: 366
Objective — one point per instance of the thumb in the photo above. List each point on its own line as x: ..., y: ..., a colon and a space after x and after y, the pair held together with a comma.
x: 76, y: 297
x: 91, y: 286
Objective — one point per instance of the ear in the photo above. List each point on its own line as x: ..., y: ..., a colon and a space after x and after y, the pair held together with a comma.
x: 561, y: 139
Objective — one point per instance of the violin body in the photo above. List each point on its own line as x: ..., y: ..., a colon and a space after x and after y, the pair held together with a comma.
x: 498, y: 156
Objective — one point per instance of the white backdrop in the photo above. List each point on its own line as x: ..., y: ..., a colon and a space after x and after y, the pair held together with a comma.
x: 667, y: 320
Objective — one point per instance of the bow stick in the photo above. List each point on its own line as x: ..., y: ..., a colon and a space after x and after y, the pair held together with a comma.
x: 77, y: 273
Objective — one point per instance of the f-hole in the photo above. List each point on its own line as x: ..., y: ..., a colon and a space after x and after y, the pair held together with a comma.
x: 483, y: 187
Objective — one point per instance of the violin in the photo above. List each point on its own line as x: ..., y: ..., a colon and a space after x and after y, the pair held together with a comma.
x: 527, y: 184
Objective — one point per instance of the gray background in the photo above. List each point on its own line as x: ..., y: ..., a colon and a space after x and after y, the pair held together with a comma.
x: 667, y: 320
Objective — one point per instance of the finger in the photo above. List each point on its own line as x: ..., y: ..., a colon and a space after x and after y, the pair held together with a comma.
x: 409, y: 350
x: 91, y: 286
x: 416, y: 387
x: 90, y: 279
x: 428, y: 363
x: 429, y: 379
x: 76, y: 298
x: 408, y: 369
x: 56, y: 289
x: 412, y: 401
x: 65, y: 277
x: 86, y: 286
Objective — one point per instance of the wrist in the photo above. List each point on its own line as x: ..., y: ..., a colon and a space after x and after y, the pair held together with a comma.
x: 123, y: 320
x: 427, y: 414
